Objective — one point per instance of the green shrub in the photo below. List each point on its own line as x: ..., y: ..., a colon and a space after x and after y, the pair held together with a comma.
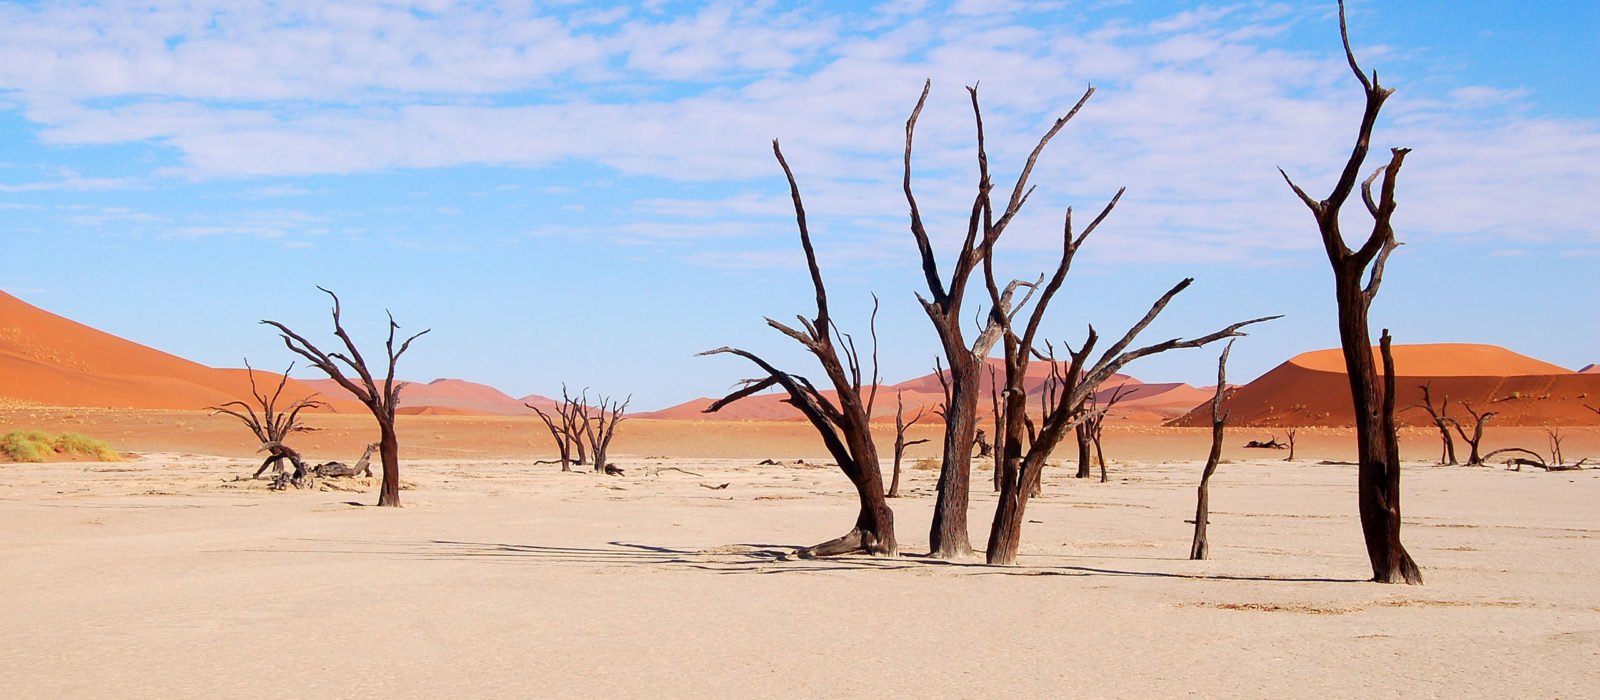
x: 37, y: 446
x: 73, y: 443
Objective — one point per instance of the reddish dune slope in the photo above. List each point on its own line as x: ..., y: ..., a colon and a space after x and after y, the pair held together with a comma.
x: 1311, y: 389
x: 449, y: 397
x: 1142, y: 403
x: 49, y: 360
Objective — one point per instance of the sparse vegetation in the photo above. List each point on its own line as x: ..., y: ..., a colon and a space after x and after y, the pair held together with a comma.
x: 39, y: 446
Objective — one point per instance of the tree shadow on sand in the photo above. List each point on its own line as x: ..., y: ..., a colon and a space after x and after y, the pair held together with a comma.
x: 766, y: 559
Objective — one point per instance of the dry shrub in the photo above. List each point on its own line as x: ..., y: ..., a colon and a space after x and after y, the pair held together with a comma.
x: 38, y: 446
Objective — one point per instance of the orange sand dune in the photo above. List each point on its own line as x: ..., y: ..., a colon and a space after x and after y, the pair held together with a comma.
x: 450, y: 397
x: 1311, y: 389
x: 1591, y: 369
x: 1149, y: 403
x: 50, y: 360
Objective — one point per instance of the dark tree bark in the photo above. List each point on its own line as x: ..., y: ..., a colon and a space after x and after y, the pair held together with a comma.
x: 1290, y: 458
x: 1376, y: 445
x: 948, y: 534
x: 1093, y: 425
x: 271, y: 425
x: 1199, y: 547
x: 998, y: 414
x: 380, y: 400
x: 1479, y: 420
x: 1085, y: 450
x: 575, y: 415
x: 845, y: 428
x: 1021, y: 470
x: 1555, y: 445
x: 1441, y: 420
x: 602, y: 427
x: 559, y: 433
x: 900, y: 442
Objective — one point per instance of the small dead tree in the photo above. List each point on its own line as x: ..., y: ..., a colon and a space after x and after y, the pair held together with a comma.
x: 1441, y: 420
x: 1479, y: 420
x: 900, y: 442
x: 575, y: 414
x: 381, y: 400
x: 559, y: 432
x: 1290, y: 458
x: 1377, y: 448
x: 271, y: 425
x: 599, y: 429
x: 1202, y: 508
x: 1096, y: 420
x: 1555, y: 445
x: 845, y: 428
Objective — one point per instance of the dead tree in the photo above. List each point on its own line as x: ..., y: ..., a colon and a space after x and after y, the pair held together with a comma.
x: 1377, y: 448
x: 1095, y: 418
x: 1202, y: 508
x: 1441, y: 420
x: 1021, y: 471
x: 1479, y: 420
x: 998, y: 414
x: 1555, y: 445
x: 558, y: 433
x: 948, y: 535
x: 340, y: 470
x: 845, y: 428
x: 575, y: 415
x: 900, y: 442
x: 1290, y: 458
x: 1085, y: 450
x: 381, y: 400
x: 600, y: 428
x: 271, y: 425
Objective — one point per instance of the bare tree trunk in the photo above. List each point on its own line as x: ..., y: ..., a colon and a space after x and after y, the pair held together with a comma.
x: 1202, y: 509
x: 389, y: 453
x: 1085, y: 459
x: 1290, y: 458
x: 1378, y: 478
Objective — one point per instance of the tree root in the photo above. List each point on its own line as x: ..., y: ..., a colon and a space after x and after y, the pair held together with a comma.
x: 856, y: 541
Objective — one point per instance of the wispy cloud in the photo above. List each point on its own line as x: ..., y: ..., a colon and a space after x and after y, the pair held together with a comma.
x: 1194, y: 112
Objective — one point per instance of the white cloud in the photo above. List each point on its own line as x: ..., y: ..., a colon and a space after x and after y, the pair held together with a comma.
x: 1194, y: 113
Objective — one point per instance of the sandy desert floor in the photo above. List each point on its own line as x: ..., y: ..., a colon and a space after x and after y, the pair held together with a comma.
x: 164, y: 576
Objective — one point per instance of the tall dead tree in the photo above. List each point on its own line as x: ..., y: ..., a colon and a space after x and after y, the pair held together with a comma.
x: 1290, y: 458
x: 272, y: 426
x: 1219, y: 418
x: 1021, y: 470
x: 602, y: 426
x: 845, y: 428
x: 1441, y: 420
x: 381, y: 400
x: 1379, y: 474
x: 948, y: 535
x: 900, y: 442
x: 1479, y: 420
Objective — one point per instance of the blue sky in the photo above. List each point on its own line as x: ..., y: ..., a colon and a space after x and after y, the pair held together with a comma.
x: 567, y: 192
